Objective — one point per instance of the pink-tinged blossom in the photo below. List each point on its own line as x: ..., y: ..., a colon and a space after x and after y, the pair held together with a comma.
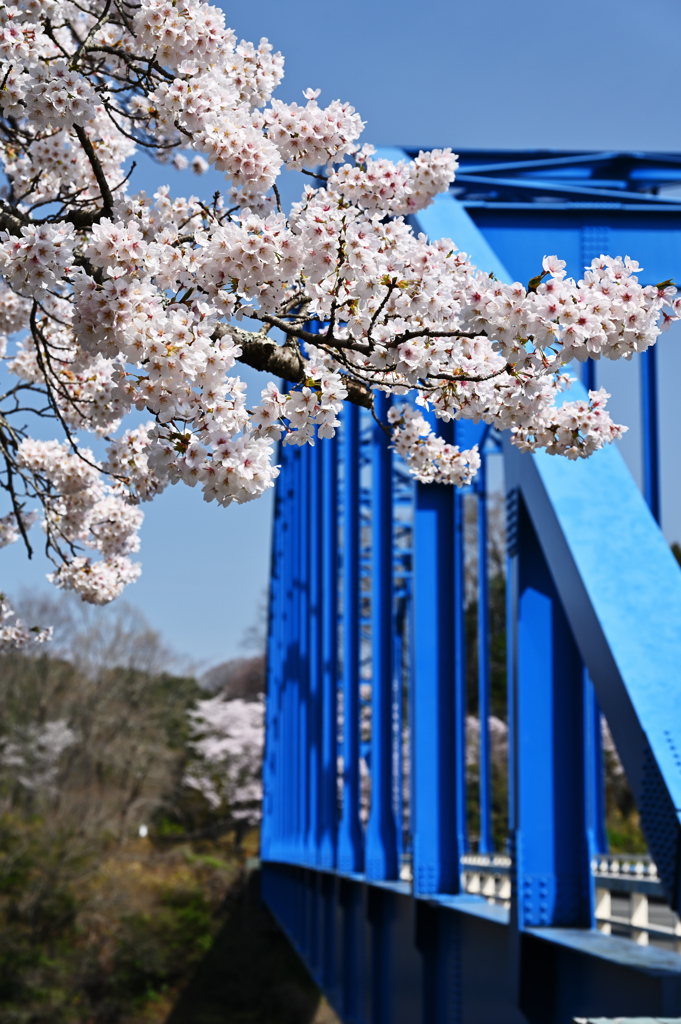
x: 85, y: 511
x: 429, y: 458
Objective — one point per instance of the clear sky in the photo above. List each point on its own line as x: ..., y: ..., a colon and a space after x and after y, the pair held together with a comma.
x: 590, y: 74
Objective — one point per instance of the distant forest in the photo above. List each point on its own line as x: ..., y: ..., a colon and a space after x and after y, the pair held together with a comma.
x: 125, y: 819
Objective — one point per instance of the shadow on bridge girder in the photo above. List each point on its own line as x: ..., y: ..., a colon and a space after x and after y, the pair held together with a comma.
x: 383, y: 956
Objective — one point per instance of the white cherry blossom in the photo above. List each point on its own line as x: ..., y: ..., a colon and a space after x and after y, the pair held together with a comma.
x: 122, y: 303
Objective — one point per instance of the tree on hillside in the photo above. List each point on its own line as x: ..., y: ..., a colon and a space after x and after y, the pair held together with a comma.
x: 94, y: 733
x: 129, y: 302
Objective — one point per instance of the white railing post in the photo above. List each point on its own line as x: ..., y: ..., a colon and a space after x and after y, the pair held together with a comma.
x: 489, y: 887
x: 603, y: 910
x: 505, y: 888
x: 639, y: 918
x: 474, y: 880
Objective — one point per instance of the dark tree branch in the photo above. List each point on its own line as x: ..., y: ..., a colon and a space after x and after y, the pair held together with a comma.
x: 284, y: 361
x: 97, y: 170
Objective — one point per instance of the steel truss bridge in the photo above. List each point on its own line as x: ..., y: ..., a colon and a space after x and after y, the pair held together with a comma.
x: 381, y: 852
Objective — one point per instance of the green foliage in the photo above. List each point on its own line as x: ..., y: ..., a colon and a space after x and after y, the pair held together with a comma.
x: 93, y: 935
x: 96, y: 924
x: 154, y: 949
x: 621, y: 815
x: 624, y: 833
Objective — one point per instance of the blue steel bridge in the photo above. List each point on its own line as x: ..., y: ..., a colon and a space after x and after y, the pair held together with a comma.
x: 381, y: 847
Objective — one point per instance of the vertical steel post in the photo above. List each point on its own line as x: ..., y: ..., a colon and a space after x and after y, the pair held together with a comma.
x: 486, y: 841
x: 381, y: 841
x: 303, y: 653
x: 350, y: 839
x: 397, y: 773
x: 594, y: 770
x: 314, y: 512
x: 651, y: 440
x: 328, y: 796
x: 283, y: 628
x: 289, y: 795
x: 460, y: 702
x: 434, y: 738
x: 552, y: 856
x: 589, y: 374
x: 270, y: 807
x: 511, y: 648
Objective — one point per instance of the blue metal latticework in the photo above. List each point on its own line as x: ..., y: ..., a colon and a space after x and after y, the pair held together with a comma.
x: 433, y: 834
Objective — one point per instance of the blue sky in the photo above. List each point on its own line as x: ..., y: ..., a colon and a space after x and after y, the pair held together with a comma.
x: 600, y: 74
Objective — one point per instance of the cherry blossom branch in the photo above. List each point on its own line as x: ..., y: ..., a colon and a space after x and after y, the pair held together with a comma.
x: 284, y: 361
x: 97, y: 170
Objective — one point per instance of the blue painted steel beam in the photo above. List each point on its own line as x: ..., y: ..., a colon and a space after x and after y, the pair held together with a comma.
x: 350, y: 838
x: 302, y: 689
x: 314, y: 657
x: 328, y: 795
x: 460, y: 690
x: 435, y: 739
x: 651, y: 442
x: 447, y: 218
x: 545, y: 163
x: 594, y: 771
x: 485, y: 841
x: 536, y: 185
x: 589, y: 374
x: 552, y: 858
x: 512, y: 595
x: 271, y: 817
x: 288, y: 792
x: 381, y: 837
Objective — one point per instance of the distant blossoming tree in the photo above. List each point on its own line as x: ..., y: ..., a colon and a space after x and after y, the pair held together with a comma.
x: 228, y: 740
x: 134, y: 302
